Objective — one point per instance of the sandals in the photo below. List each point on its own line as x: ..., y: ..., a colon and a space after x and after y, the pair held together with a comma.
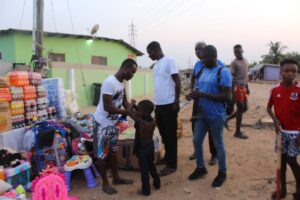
x: 166, y: 171
x: 274, y: 195
x: 240, y: 135
x: 122, y: 181
x: 109, y: 190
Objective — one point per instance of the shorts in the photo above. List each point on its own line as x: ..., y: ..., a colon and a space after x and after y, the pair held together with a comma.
x: 240, y: 94
x: 105, y: 140
x: 288, y: 143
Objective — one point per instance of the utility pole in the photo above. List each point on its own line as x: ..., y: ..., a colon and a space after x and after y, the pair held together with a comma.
x: 37, y: 36
x: 132, y: 34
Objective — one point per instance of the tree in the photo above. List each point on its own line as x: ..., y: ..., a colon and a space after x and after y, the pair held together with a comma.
x: 275, y: 53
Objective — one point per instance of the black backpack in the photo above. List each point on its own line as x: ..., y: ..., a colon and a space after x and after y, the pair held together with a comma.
x: 229, y: 104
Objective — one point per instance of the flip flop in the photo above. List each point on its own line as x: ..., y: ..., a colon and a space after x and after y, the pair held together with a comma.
x: 109, y: 190
x: 166, y: 171
x: 274, y: 195
x: 123, y: 181
x: 241, y: 136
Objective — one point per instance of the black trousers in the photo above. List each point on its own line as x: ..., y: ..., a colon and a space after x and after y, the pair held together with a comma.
x: 145, y: 155
x: 166, y: 119
x: 212, y: 148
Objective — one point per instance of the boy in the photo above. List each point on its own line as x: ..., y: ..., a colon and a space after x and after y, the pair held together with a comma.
x: 143, y: 143
x: 285, y: 97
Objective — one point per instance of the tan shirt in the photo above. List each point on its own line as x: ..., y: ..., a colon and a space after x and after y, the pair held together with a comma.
x: 239, y: 70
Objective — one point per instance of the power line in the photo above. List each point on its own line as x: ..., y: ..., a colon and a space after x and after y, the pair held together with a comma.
x: 183, y: 11
x: 167, y: 11
x: 149, y: 15
x: 53, y: 15
x: 77, y: 50
x: 22, y: 15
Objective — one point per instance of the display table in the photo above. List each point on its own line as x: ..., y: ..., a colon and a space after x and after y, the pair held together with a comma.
x: 13, y: 139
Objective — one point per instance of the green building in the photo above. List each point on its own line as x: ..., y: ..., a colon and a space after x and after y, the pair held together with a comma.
x: 92, y: 58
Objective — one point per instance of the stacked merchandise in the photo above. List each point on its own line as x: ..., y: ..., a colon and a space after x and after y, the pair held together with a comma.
x: 28, y: 98
x: 5, y: 97
x: 56, y: 95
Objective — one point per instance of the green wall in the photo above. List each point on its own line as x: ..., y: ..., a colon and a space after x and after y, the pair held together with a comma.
x: 85, y: 94
x: 76, y: 50
x: 7, y: 47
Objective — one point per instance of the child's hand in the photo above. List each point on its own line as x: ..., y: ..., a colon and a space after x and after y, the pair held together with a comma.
x: 131, y: 105
x: 277, y: 125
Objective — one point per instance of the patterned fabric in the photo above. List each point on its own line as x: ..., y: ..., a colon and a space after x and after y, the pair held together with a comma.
x: 56, y: 155
x: 288, y: 144
x: 105, y: 140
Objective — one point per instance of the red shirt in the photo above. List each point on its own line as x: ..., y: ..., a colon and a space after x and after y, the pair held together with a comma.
x: 286, y: 101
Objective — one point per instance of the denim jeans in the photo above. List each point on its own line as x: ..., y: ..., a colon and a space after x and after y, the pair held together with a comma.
x: 216, y: 126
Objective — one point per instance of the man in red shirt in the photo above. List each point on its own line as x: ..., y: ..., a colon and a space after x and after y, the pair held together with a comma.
x: 285, y: 97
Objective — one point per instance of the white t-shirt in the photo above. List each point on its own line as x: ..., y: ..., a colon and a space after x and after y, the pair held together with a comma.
x: 164, y: 86
x: 111, y: 86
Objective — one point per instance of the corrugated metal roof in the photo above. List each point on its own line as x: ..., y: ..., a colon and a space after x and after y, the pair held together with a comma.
x: 262, y: 65
x: 52, y: 34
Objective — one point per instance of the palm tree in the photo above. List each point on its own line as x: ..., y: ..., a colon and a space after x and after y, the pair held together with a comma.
x: 275, y: 52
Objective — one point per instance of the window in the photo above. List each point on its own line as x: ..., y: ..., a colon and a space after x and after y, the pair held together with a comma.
x: 56, y: 57
x: 0, y: 55
x: 99, y: 60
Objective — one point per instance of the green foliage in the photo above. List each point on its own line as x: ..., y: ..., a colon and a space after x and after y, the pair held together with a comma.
x: 275, y: 53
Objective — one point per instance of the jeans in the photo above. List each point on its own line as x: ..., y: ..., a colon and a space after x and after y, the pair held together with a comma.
x: 216, y: 126
x: 212, y: 148
x: 166, y: 119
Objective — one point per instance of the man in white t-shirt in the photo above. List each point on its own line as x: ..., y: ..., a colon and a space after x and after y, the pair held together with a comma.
x: 166, y: 96
x: 105, y: 134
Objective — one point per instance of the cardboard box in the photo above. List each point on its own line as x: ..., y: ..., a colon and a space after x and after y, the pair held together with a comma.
x: 5, y: 117
x: 127, y: 160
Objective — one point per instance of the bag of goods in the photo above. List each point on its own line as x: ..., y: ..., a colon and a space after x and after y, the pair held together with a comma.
x: 30, y: 105
x: 34, y: 78
x: 29, y: 92
x: 18, y: 78
x: 16, y: 93
x: 29, y: 116
x: 18, y: 121
x: 5, y: 95
x: 41, y: 91
x: 42, y: 103
x: 5, y: 118
x: 52, y: 114
x: 16, y: 108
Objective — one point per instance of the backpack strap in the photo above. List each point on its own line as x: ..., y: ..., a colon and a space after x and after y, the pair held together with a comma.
x: 199, y: 73
x: 219, y: 74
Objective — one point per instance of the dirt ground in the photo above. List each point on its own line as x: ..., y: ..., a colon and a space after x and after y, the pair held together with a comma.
x: 251, y: 164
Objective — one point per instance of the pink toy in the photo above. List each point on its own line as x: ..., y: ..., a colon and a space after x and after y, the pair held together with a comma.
x: 50, y: 185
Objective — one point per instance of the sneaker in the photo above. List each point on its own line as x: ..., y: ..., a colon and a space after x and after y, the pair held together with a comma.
x: 213, y: 160
x: 198, y: 173
x: 219, y: 180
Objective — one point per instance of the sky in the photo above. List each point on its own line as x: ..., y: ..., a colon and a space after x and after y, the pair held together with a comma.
x: 176, y: 24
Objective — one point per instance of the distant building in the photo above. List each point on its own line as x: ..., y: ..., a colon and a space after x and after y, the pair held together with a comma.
x: 268, y: 72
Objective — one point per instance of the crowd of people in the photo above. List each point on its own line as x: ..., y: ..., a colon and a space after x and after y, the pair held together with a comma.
x: 215, y: 90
